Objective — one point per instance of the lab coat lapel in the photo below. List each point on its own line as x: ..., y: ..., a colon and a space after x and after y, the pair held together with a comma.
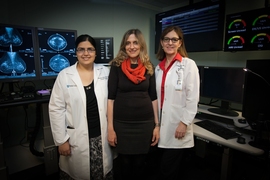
x: 96, y: 75
x: 77, y: 80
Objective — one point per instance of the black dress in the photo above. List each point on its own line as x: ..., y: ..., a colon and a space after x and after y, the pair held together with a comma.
x: 133, y: 115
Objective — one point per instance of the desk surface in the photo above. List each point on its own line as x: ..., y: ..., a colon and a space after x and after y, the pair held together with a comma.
x: 231, y: 143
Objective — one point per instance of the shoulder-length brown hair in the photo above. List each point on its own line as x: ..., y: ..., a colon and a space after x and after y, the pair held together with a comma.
x: 122, y: 54
x: 181, y: 50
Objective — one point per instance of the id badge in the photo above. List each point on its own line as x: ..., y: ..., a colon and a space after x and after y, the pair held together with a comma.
x: 178, y: 86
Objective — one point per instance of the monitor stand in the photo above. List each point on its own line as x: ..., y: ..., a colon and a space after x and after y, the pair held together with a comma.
x: 224, y: 109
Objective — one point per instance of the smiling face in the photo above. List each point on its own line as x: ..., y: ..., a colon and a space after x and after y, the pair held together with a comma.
x: 132, y: 47
x: 86, y: 53
x: 170, y: 43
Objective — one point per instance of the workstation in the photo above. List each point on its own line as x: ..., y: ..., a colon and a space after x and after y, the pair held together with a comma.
x: 108, y: 21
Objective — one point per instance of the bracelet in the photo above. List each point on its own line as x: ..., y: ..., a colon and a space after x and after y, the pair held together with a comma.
x: 157, y: 124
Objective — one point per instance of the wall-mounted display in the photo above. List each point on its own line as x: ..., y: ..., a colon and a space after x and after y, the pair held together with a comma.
x: 104, y: 50
x: 247, y: 31
x: 202, y: 24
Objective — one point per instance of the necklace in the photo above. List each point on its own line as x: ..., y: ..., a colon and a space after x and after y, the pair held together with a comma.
x: 88, y: 87
x: 132, y: 62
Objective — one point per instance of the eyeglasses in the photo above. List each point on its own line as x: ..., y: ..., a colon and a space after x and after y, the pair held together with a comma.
x: 174, y: 40
x: 82, y: 50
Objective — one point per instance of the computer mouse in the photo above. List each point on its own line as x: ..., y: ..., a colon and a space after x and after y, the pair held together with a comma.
x: 241, y: 140
x: 242, y: 121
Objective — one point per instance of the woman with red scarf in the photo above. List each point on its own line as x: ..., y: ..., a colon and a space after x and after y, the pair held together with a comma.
x: 132, y: 105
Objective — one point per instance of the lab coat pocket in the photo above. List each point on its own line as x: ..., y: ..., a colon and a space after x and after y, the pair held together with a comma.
x: 72, y: 137
x: 176, y: 113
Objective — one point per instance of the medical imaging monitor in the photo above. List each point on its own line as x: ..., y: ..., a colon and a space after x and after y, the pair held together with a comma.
x: 104, y: 50
x: 17, y: 53
x: 56, y: 51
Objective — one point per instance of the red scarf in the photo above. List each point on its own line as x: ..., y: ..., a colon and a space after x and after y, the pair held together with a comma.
x: 135, y: 75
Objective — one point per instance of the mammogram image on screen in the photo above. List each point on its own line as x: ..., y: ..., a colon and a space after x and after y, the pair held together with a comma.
x: 16, y: 53
x: 57, y: 50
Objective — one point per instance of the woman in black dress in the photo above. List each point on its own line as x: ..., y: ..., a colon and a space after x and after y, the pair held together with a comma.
x: 133, y: 124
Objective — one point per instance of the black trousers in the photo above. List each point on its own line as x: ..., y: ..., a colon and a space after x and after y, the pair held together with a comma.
x: 170, y: 164
x: 132, y: 166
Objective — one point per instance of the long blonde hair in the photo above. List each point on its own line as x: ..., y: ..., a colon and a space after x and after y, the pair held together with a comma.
x: 122, y: 54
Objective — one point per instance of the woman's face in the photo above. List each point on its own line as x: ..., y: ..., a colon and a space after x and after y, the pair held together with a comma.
x: 133, y: 47
x: 171, y: 43
x: 86, y: 53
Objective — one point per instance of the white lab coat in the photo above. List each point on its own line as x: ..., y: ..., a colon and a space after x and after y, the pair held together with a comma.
x: 178, y: 105
x: 67, y: 107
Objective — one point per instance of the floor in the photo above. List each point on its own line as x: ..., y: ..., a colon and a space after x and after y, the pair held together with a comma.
x: 244, y: 167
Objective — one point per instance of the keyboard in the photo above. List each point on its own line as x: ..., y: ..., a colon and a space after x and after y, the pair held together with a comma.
x: 205, y: 116
x: 217, y: 129
x: 16, y: 98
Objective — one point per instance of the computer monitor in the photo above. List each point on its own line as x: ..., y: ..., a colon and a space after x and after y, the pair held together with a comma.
x: 256, y: 97
x: 200, y: 22
x: 104, y: 50
x: 56, y: 50
x: 224, y: 84
x: 18, y: 53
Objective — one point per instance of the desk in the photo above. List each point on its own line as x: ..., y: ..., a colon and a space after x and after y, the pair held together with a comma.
x: 229, y: 145
x: 50, y: 150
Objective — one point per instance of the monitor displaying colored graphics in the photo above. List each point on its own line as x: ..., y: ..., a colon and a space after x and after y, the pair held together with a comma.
x: 17, y: 53
x: 247, y: 31
x: 56, y: 50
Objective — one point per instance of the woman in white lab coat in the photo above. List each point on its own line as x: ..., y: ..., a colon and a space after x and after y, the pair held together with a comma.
x: 77, y: 111
x: 177, y: 84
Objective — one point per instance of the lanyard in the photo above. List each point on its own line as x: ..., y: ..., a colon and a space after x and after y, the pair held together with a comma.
x: 180, y: 73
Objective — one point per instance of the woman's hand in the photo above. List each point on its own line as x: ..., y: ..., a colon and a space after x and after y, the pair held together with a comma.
x: 112, y: 139
x: 65, y: 149
x: 156, y: 136
x: 180, y: 131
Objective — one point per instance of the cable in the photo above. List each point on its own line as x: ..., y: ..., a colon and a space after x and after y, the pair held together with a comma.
x: 35, y: 132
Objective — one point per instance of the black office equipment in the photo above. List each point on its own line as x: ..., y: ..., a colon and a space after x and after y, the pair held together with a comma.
x: 256, y: 97
x: 225, y: 84
x: 206, y: 116
x: 256, y: 100
x: 241, y: 140
x: 16, y: 97
x: 201, y: 22
x: 217, y: 129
